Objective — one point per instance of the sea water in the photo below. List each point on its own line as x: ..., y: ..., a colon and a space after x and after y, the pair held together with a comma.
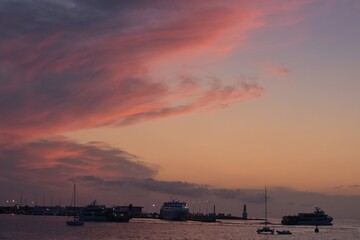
x: 18, y: 227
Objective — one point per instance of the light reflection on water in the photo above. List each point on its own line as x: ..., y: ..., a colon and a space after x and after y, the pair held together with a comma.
x: 16, y: 227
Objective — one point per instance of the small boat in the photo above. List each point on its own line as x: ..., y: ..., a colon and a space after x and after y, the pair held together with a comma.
x: 283, y: 232
x: 265, y: 229
x: 76, y: 221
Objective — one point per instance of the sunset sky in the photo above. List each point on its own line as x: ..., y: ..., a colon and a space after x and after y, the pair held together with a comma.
x: 205, y: 101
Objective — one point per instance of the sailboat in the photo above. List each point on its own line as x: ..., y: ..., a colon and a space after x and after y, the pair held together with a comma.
x: 265, y: 229
x: 75, y: 221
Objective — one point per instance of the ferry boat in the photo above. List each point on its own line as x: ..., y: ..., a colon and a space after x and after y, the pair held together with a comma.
x: 100, y: 213
x: 95, y: 213
x: 174, y: 211
x: 318, y: 217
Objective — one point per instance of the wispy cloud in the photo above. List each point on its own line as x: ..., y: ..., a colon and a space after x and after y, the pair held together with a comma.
x: 215, y: 96
x: 55, y: 160
x: 69, y: 65
x: 272, y: 69
x: 177, y: 188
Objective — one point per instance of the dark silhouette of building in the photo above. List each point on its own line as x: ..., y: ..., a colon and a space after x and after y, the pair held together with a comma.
x: 244, y: 214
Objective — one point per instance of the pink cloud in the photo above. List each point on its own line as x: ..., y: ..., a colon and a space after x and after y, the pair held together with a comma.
x: 67, y: 159
x: 85, y: 66
x: 74, y: 72
x: 275, y: 70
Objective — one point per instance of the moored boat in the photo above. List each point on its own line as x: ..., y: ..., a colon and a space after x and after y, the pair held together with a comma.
x: 265, y: 229
x: 100, y: 213
x: 120, y: 214
x: 95, y: 213
x: 283, y: 232
x: 75, y: 221
x: 174, y: 211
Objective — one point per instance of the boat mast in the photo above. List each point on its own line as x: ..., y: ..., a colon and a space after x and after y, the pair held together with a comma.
x: 74, y: 201
x: 74, y: 194
x: 265, y: 208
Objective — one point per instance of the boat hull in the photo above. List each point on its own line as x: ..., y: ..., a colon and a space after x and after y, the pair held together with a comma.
x: 305, y: 223
x: 75, y: 223
x: 173, y: 215
x: 105, y: 218
x: 94, y: 219
x: 265, y: 230
x: 294, y: 220
x: 120, y: 218
x: 201, y: 217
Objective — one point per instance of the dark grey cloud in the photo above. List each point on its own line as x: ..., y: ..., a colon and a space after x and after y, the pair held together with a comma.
x: 54, y: 161
x: 47, y: 16
x: 174, y: 188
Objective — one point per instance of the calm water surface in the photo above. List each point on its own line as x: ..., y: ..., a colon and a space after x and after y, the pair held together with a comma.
x: 16, y: 227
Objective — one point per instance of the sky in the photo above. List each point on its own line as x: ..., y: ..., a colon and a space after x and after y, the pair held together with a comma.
x: 207, y: 102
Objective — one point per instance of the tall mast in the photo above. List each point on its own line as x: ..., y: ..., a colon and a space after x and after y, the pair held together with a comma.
x: 74, y: 201
x: 265, y: 207
x: 74, y: 195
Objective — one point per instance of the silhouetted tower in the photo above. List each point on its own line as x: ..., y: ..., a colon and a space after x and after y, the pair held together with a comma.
x: 244, y: 214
